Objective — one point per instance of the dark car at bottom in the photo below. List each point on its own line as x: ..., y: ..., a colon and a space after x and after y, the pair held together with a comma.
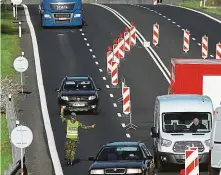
x: 123, y: 158
x: 78, y: 94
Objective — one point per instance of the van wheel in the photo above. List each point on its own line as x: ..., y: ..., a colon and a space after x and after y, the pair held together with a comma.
x: 159, y: 164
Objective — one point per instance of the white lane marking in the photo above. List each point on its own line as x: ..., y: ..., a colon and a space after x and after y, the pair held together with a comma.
x: 82, y: 34
x: 115, y: 105
x: 151, y: 10
x: 142, y: 40
x: 111, y: 95
x: 100, y: 70
x: 211, y: 56
x: 174, y: 22
x: 104, y: 78
x: 123, y: 125
x: 90, y: 50
x: 199, y: 44
x: 107, y: 86
x: 93, y: 56
x: 81, y: 30
x: 219, y: 21
x: 85, y: 39
x: 96, y: 63
x: 60, y: 34
x: 119, y: 114
x: 164, y: 16
x: 160, y: 14
x: 47, y: 124
x: 88, y: 44
x: 178, y: 25
x: 168, y: 19
x: 128, y: 135
x: 194, y: 39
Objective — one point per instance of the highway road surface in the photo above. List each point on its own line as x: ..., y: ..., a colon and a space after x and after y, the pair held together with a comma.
x: 82, y: 52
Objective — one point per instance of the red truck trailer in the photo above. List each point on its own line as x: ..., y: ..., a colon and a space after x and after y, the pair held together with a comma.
x: 196, y: 76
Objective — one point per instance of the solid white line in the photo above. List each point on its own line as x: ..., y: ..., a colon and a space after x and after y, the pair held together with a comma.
x: 90, y: 50
x: 111, y: 95
x: 88, y: 44
x: 142, y: 40
x: 123, y: 125
x: 93, y: 56
x: 204, y: 14
x: 119, y: 114
x: 100, y: 70
x: 115, y: 105
x: 96, y: 63
x: 82, y: 34
x: 44, y: 109
x: 128, y: 135
x: 104, y: 78
x: 194, y: 39
x: 85, y: 39
x: 107, y: 86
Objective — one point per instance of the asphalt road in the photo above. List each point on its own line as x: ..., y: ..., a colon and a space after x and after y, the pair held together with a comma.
x: 64, y: 52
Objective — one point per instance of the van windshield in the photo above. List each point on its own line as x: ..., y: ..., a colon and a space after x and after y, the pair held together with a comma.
x: 187, y: 122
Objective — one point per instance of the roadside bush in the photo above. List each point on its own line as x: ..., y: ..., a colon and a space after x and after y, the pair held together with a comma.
x: 213, y: 2
x: 8, y: 86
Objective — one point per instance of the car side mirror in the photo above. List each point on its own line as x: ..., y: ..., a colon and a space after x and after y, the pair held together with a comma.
x: 57, y: 89
x: 98, y: 89
x: 91, y: 159
x: 154, y: 132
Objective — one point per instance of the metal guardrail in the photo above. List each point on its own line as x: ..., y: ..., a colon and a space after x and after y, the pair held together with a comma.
x: 12, y: 120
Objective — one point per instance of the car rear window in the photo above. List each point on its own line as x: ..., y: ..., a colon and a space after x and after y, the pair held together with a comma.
x: 77, y: 85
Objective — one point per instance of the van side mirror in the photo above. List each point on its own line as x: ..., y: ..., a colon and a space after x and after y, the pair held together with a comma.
x: 154, y: 132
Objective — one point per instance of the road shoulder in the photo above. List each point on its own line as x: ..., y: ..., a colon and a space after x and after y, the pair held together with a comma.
x: 37, y: 154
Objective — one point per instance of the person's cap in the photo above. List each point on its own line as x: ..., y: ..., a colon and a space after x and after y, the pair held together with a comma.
x: 73, y: 114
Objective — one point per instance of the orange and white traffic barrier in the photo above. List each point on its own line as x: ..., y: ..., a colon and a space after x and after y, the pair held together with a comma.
x: 197, y: 159
x: 156, y: 34
x: 218, y: 51
x: 127, y: 39
x: 121, y: 46
x: 126, y: 100
x: 116, y: 52
x: 191, y: 162
x: 109, y: 59
x: 154, y: 2
x: 133, y: 35
x: 114, y: 73
x: 186, y: 41
x: 205, y: 47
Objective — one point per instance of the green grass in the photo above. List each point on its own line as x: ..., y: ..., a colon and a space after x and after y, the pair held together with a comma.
x: 10, y: 49
x: 196, y: 5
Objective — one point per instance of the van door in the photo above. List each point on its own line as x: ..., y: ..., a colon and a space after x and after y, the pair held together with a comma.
x: 216, y: 145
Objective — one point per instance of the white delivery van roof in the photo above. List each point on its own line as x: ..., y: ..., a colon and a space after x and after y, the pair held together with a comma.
x: 185, y: 103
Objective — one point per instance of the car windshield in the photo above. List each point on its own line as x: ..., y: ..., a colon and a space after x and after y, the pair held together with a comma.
x: 77, y: 85
x: 120, y: 153
x: 187, y: 122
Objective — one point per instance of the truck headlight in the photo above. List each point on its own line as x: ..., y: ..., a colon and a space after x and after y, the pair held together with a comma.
x: 47, y: 15
x: 64, y: 97
x: 98, y: 171
x: 207, y: 142
x: 165, y: 142
x: 92, y: 97
x: 134, y: 171
x: 77, y: 15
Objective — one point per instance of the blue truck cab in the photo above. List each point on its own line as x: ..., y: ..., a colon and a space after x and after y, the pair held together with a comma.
x: 55, y: 13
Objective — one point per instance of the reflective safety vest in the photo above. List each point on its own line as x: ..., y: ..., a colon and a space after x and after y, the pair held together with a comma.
x: 72, y: 130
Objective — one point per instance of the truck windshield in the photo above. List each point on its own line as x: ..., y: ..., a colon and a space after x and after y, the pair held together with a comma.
x: 187, y: 122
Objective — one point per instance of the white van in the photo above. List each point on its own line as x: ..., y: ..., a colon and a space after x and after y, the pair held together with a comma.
x: 173, y: 132
x: 215, y: 144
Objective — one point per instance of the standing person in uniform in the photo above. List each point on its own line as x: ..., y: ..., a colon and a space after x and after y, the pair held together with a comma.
x: 73, y: 125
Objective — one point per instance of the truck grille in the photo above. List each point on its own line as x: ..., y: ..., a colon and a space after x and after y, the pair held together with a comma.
x: 62, y: 15
x: 115, y: 171
x: 181, y: 146
x: 80, y: 98
x: 62, y: 21
x: 62, y: 6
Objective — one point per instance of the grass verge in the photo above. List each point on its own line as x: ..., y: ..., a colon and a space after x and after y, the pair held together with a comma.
x: 10, y: 49
x: 196, y: 5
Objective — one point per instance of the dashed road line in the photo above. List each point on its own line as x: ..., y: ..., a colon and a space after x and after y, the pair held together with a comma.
x: 88, y: 44
x: 178, y: 25
x: 211, y: 56
x: 168, y: 19
x: 174, y: 22
x: 81, y: 30
x: 128, y: 135
x: 119, y: 114
x: 93, y: 56
x: 90, y: 50
x: 123, y: 125
x: 111, y: 95
x: 164, y: 16
x: 82, y: 34
x: 115, y: 105
x: 107, y: 86
x: 194, y: 39
x: 199, y: 44
x: 100, y: 70
x: 96, y: 63
x: 104, y: 78
x: 160, y: 14
x: 85, y: 39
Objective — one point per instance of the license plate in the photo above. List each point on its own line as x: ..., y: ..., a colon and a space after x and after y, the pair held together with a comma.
x: 180, y: 156
x: 78, y: 104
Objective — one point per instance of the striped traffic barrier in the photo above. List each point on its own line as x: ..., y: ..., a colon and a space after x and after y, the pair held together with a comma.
x: 121, y: 46
x: 114, y: 74
x: 116, y: 52
x: 205, y: 47
x: 109, y: 59
x: 126, y: 100
x: 186, y: 41
x: 133, y: 35
x: 191, y: 162
x: 155, y: 2
x: 127, y: 39
x: 156, y: 34
x: 218, y: 51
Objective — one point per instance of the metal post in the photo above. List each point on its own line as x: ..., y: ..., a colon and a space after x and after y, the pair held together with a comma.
x: 22, y: 90
x: 19, y: 29
x: 14, y: 11
x: 131, y: 125
x: 21, y: 154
